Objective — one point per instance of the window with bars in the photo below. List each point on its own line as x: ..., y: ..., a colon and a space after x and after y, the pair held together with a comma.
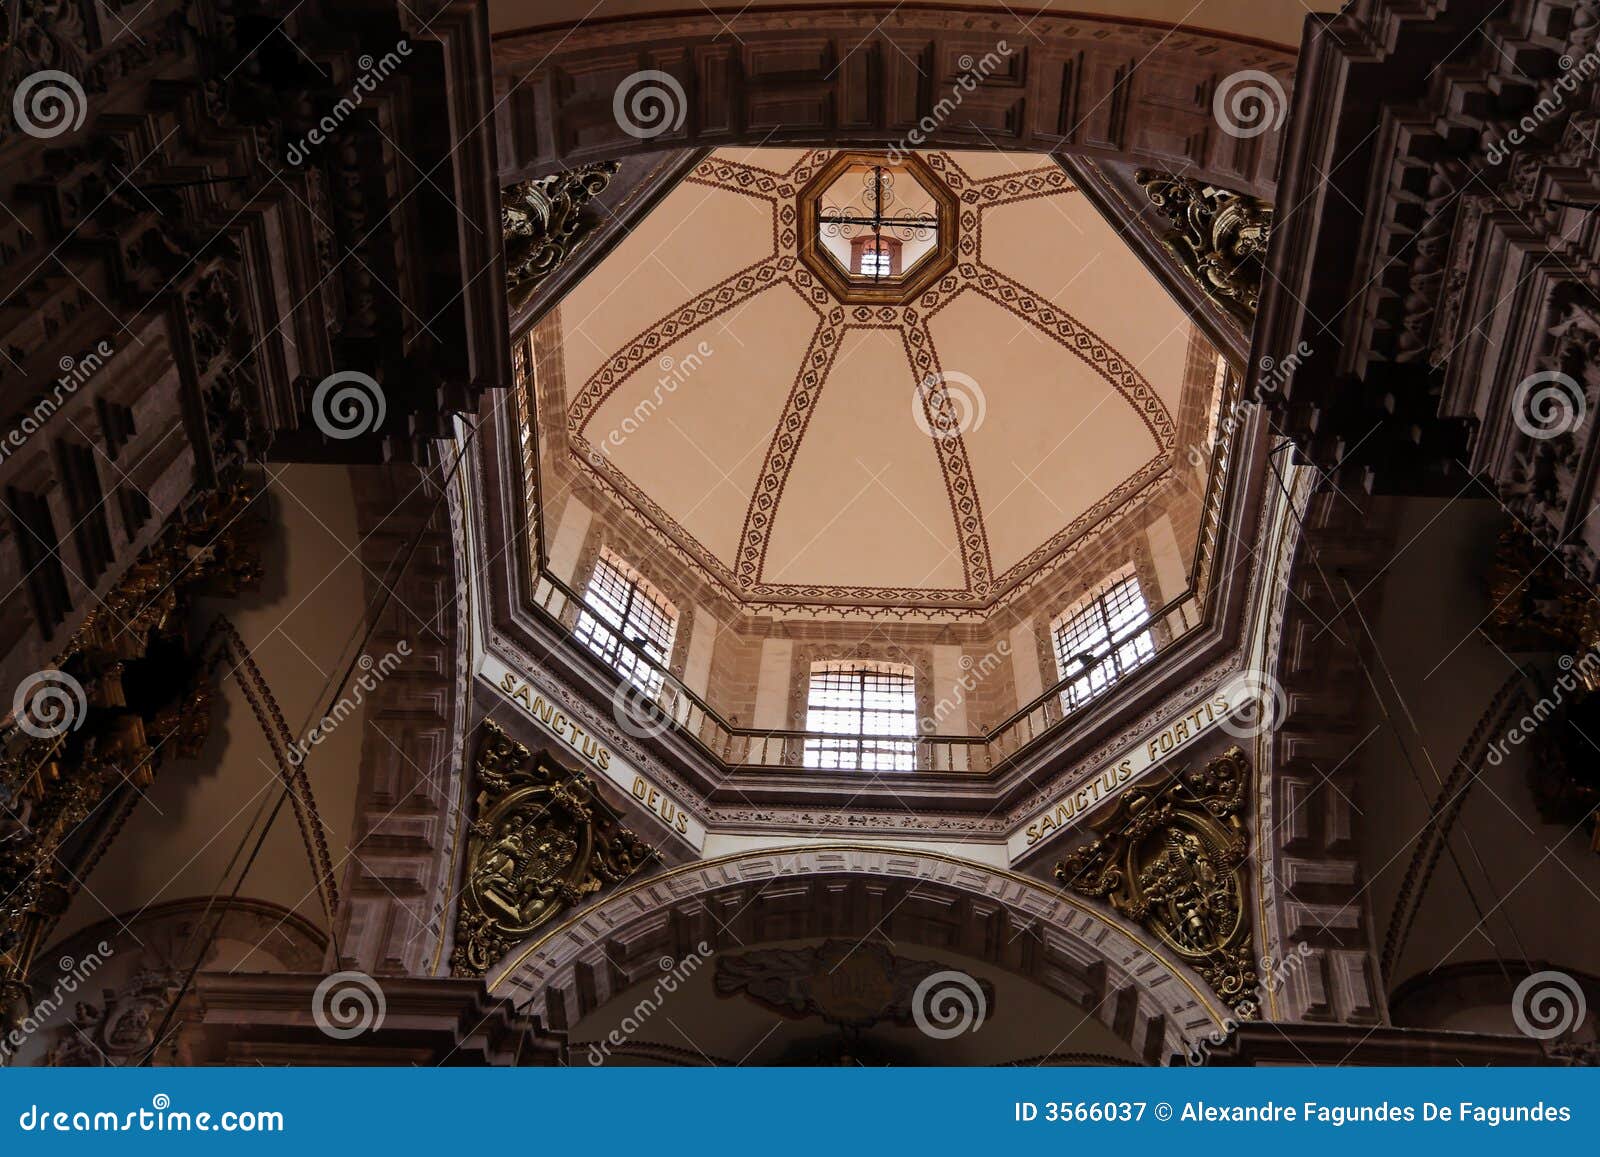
x: 619, y: 604
x: 871, y: 708
x: 1084, y: 638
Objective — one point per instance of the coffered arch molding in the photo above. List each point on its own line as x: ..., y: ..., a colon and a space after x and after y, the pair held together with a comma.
x: 850, y: 892
x: 866, y: 76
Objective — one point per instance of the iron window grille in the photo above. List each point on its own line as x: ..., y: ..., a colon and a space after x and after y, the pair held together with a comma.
x: 619, y: 604
x: 869, y: 712
x: 1084, y: 638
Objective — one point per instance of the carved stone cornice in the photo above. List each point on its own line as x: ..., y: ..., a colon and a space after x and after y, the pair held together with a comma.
x: 541, y: 841
x: 1427, y: 268
x: 1173, y: 859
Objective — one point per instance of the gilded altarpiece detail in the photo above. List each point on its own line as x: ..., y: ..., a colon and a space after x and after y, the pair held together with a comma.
x: 1173, y: 859
x: 1218, y: 236
x: 541, y: 841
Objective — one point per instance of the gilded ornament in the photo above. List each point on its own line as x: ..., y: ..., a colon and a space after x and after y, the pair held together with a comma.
x: 540, y: 843
x: 1172, y: 858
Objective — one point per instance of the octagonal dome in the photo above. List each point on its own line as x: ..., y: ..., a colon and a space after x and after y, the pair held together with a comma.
x: 739, y: 393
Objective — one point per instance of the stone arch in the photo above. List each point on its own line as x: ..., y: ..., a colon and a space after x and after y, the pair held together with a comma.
x: 1134, y: 91
x: 1009, y: 921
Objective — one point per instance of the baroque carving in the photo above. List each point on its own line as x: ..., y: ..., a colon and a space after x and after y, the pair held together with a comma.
x: 1173, y: 858
x: 145, y: 698
x: 1220, y: 237
x: 544, y: 221
x: 541, y: 840
x: 847, y: 983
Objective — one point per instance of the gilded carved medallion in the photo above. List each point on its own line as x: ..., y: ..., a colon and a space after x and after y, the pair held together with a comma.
x: 1173, y: 858
x: 542, y: 841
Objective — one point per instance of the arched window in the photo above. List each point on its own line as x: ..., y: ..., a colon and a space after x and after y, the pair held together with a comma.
x: 620, y: 604
x: 1096, y: 639
x: 871, y: 707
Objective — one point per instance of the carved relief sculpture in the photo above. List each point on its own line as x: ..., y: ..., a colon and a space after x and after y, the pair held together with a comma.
x: 543, y: 221
x: 541, y: 841
x: 1172, y: 858
x: 1220, y: 237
